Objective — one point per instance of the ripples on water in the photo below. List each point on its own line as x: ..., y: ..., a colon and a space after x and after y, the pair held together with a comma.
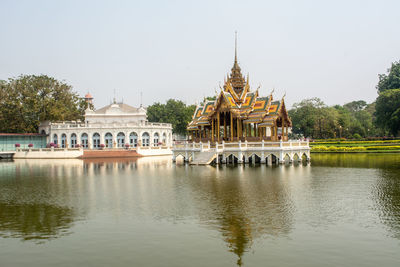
x: 341, y: 210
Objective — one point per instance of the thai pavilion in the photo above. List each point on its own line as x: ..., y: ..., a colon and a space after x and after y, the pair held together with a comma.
x: 238, y: 113
x: 240, y: 126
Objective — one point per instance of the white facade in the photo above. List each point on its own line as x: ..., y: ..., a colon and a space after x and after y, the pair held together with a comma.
x: 113, y: 126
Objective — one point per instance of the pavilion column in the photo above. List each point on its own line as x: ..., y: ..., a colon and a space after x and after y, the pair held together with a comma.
x: 283, y: 130
x: 231, y: 126
x: 287, y: 131
x: 237, y: 126
x: 224, y: 126
x: 218, y: 125
x: 212, y: 130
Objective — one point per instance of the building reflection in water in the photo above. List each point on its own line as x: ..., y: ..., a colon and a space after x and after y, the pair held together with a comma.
x: 243, y: 203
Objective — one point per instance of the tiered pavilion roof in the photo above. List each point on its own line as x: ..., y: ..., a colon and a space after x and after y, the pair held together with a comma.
x: 238, y: 113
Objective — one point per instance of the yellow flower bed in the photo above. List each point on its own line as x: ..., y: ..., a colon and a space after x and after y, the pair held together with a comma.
x: 337, y: 148
x: 355, y: 142
x: 383, y: 148
x: 351, y: 149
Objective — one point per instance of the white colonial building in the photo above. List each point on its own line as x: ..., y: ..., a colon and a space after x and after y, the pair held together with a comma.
x: 112, y: 126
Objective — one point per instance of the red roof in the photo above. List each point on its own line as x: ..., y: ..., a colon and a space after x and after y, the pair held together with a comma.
x: 88, y: 95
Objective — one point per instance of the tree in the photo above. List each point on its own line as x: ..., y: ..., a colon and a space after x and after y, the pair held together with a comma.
x: 391, y: 80
x: 30, y: 99
x: 174, y: 111
x: 388, y: 110
x: 312, y: 118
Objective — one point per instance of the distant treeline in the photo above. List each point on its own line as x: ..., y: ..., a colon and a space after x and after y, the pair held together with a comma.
x: 357, y: 119
x: 29, y: 99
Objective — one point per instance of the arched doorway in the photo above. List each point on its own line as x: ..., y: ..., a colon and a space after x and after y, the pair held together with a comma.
x: 108, y: 140
x: 84, y: 140
x: 96, y: 140
x: 133, y: 139
x: 63, y: 140
x: 73, y: 140
x: 156, y: 139
x: 55, y: 139
x: 145, y: 139
x: 164, y: 139
x: 120, y: 139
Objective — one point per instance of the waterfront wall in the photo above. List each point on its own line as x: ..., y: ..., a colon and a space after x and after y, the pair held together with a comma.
x: 48, y: 153
x: 63, y: 153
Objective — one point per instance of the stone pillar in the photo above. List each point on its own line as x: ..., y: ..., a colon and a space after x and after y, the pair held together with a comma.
x: 223, y: 160
x: 262, y: 157
x: 269, y: 160
x: 240, y: 154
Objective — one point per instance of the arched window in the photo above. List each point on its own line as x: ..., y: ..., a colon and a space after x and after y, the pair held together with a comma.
x: 84, y: 140
x: 43, y: 132
x: 164, y: 139
x: 145, y: 139
x: 120, y: 139
x: 73, y: 140
x: 55, y: 139
x: 63, y: 140
x: 133, y: 138
x: 108, y: 140
x: 96, y: 140
x: 156, y: 139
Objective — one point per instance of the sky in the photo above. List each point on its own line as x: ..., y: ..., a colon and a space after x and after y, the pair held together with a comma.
x: 333, y: 50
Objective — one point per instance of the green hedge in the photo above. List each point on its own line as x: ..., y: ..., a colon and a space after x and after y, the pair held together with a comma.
x: 352, y: 148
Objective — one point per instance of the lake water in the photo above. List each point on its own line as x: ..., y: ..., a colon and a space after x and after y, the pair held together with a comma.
x: 340, y: 210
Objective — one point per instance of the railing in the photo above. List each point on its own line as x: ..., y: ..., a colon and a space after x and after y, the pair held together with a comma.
x: 190, y: 146
x: 107, y: 125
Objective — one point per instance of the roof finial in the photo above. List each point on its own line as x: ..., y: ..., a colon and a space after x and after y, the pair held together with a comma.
x: 114, y: 101
x: 235, y: 46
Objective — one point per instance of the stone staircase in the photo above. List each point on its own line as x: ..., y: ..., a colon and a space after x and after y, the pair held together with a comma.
x: 203, y: 158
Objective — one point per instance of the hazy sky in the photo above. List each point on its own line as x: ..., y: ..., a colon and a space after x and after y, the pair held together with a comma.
x: 333, y: 50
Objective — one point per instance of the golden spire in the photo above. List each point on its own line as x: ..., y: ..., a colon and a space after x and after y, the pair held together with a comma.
x: 235, y: 46
x: 237, y: 80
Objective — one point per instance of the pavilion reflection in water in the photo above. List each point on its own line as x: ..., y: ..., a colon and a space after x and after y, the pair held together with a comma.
x: 230, y: 200
x: 242, y: 210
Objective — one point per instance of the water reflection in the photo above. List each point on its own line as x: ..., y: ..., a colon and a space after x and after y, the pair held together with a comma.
x: 32, y: 206
x: 357, y: 160
x: 243, y: 203
x: 387, y: 195
x: 35, y: 221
